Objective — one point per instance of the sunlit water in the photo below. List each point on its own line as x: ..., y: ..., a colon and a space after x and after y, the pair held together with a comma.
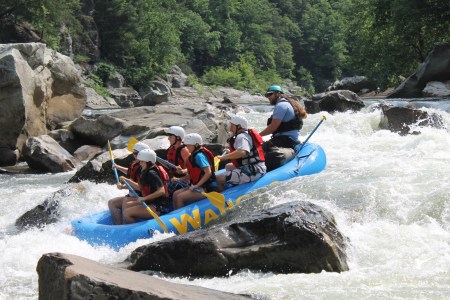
x: 390, y: 196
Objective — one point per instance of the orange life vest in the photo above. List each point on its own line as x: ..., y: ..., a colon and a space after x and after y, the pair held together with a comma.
x: 197, y: 173
x: 175, y: 158
x: 134, y: 171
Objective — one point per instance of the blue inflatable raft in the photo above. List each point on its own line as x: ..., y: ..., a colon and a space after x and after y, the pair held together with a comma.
x: 98, y: 229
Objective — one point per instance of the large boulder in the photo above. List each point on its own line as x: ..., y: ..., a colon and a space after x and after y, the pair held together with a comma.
x: 98, y: 130
x: 406, y: 120
x: 436, y: 67
x: 100, y: 170
x: 333, y: 101
x: 207, y: 120
x: 44, y: 154
x: 296, y: 237
x: 8, y: 156
x: 66, y: 276
x: 356, y: 84
x: 39, y: 89
x: 125, y: 96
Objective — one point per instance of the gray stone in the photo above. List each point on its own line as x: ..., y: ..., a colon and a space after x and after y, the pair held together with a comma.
x: 296, y: 237
x: 44, y: 154
x: 334, y: 101
x: 67, y: 277
x: 437, y: 89
x: 49, y: 210
x: 40, y: 89
x: 404, y: 119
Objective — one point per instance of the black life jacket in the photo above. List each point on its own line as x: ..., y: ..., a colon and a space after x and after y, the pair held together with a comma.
x: 256, y: 154
x: 295, y: 124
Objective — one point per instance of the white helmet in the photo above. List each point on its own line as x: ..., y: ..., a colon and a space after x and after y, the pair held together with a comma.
x: 147, y: 155
x: 176, y: 131
x: 239, y: 120
x: 139, y: 146
x: 193, y: 139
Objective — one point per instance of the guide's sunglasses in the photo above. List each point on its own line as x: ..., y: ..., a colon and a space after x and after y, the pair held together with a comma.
x: 268, y: 94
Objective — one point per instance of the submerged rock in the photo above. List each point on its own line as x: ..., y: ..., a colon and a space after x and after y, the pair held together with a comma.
x: 404, y: 119
x: 48, y: 211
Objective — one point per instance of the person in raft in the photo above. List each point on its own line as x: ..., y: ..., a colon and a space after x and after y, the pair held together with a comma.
x: 284, y: 125
x: 246, y: 154
x: 133, y: 172
x: 153, y: 186
x: 178, y: 155
x: 200, y: 167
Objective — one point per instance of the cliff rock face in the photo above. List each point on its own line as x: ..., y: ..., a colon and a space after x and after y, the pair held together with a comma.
x: 436, y: 67
x: 39, y: 89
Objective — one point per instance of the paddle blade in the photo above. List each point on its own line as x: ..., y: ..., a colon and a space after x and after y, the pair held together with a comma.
x: 156, y: 217
x: 216, y: 199
x: 110, y: 151
x: 131, y: 142
x: 216, y: 163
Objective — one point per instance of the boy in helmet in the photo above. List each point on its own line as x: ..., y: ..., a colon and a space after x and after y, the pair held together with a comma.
x: 200, y: 167
x: 284, y: 125
x: 246, y: 154
x: 133, y: 172
x: 153, y: 186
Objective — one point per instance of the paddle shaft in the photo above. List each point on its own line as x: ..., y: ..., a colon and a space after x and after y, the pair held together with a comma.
x: 312, y: 132
x: 166, y: 162
x: 113, y: 163
x: 154, y: 215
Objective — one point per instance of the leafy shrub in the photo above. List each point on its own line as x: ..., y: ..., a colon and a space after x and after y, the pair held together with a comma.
x: 96, y: 84
x: 105, y: 71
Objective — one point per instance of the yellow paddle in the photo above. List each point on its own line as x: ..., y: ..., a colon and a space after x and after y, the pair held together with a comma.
x: 152, y: 213
x: 216, y: 199
x: 217, y: 161
x: 112, y: 161
x: 131, y: 142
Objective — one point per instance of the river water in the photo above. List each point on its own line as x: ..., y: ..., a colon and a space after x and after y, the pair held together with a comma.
x: 390, y: 195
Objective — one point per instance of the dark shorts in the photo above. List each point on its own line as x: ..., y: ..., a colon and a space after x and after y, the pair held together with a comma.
x: 162, y: 205
x: 175, y: 185
x: 280, y: 141
x: 210, y: 187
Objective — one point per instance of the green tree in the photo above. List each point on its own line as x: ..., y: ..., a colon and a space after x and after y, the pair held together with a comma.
x: 388, y: 39
x: 46, y: 16
x: 139, y: 36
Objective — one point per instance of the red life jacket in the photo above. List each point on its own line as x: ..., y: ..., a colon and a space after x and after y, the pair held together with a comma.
x: 197, y: 173
x: 256, y: 154
x: 134, y: 171
x: 146, y: 190
x: 174, y: 157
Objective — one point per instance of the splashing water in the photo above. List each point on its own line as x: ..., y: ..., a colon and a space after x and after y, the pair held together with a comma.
x: 390, y: 196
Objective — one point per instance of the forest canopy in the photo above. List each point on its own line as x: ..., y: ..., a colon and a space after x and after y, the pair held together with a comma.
x: 240, y: 43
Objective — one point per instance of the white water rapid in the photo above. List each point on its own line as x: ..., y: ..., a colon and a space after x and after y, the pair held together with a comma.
x: 390, y: 195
